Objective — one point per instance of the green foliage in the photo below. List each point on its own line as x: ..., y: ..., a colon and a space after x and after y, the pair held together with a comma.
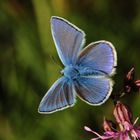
x: 28, y: 70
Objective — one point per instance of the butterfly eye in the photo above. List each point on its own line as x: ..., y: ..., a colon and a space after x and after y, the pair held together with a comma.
x: 62, y: 72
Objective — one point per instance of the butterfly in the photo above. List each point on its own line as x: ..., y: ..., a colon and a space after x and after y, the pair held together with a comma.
x: 86, y: 71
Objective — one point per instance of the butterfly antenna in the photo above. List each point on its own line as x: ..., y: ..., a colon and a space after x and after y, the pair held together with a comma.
x: 55, y: 61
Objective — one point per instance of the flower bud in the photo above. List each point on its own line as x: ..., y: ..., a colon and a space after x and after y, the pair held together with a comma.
x: 137, y: 83
x: 130, y: 74
x: 130, y: 84
x: 129, y: 81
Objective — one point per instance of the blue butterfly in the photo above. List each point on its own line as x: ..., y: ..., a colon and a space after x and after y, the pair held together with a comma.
x: 86, y: 71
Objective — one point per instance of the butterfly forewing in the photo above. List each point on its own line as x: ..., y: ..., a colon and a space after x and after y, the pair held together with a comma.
x: 68, y: 40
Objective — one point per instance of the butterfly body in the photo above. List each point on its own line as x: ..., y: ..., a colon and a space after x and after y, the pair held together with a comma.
x: 86, y: 72
x: 73, y: 72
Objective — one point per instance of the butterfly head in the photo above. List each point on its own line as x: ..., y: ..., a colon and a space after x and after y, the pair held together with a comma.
x: 70, y: 72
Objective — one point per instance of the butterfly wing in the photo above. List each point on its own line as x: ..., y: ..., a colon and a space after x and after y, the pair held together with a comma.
x: 100, y: 56
x: 68, y: 40
x: 94, y: 91
x: 61, y: 95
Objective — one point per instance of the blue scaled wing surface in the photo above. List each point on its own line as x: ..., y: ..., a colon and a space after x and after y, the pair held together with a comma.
x: 61, y: 95
x: 93, y: 90
x: 100, y: 57
x: 68, y: 39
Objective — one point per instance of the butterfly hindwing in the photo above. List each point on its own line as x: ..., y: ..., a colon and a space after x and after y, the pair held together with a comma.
x: 59, y: 96
x: 100, y: 56
x: 68, y: 40
x: 94, y: 91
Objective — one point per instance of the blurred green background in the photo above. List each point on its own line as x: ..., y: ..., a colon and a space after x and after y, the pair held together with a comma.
x: 29, y: 63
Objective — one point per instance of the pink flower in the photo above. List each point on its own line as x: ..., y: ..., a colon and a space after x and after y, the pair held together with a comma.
x: 126, y: 129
